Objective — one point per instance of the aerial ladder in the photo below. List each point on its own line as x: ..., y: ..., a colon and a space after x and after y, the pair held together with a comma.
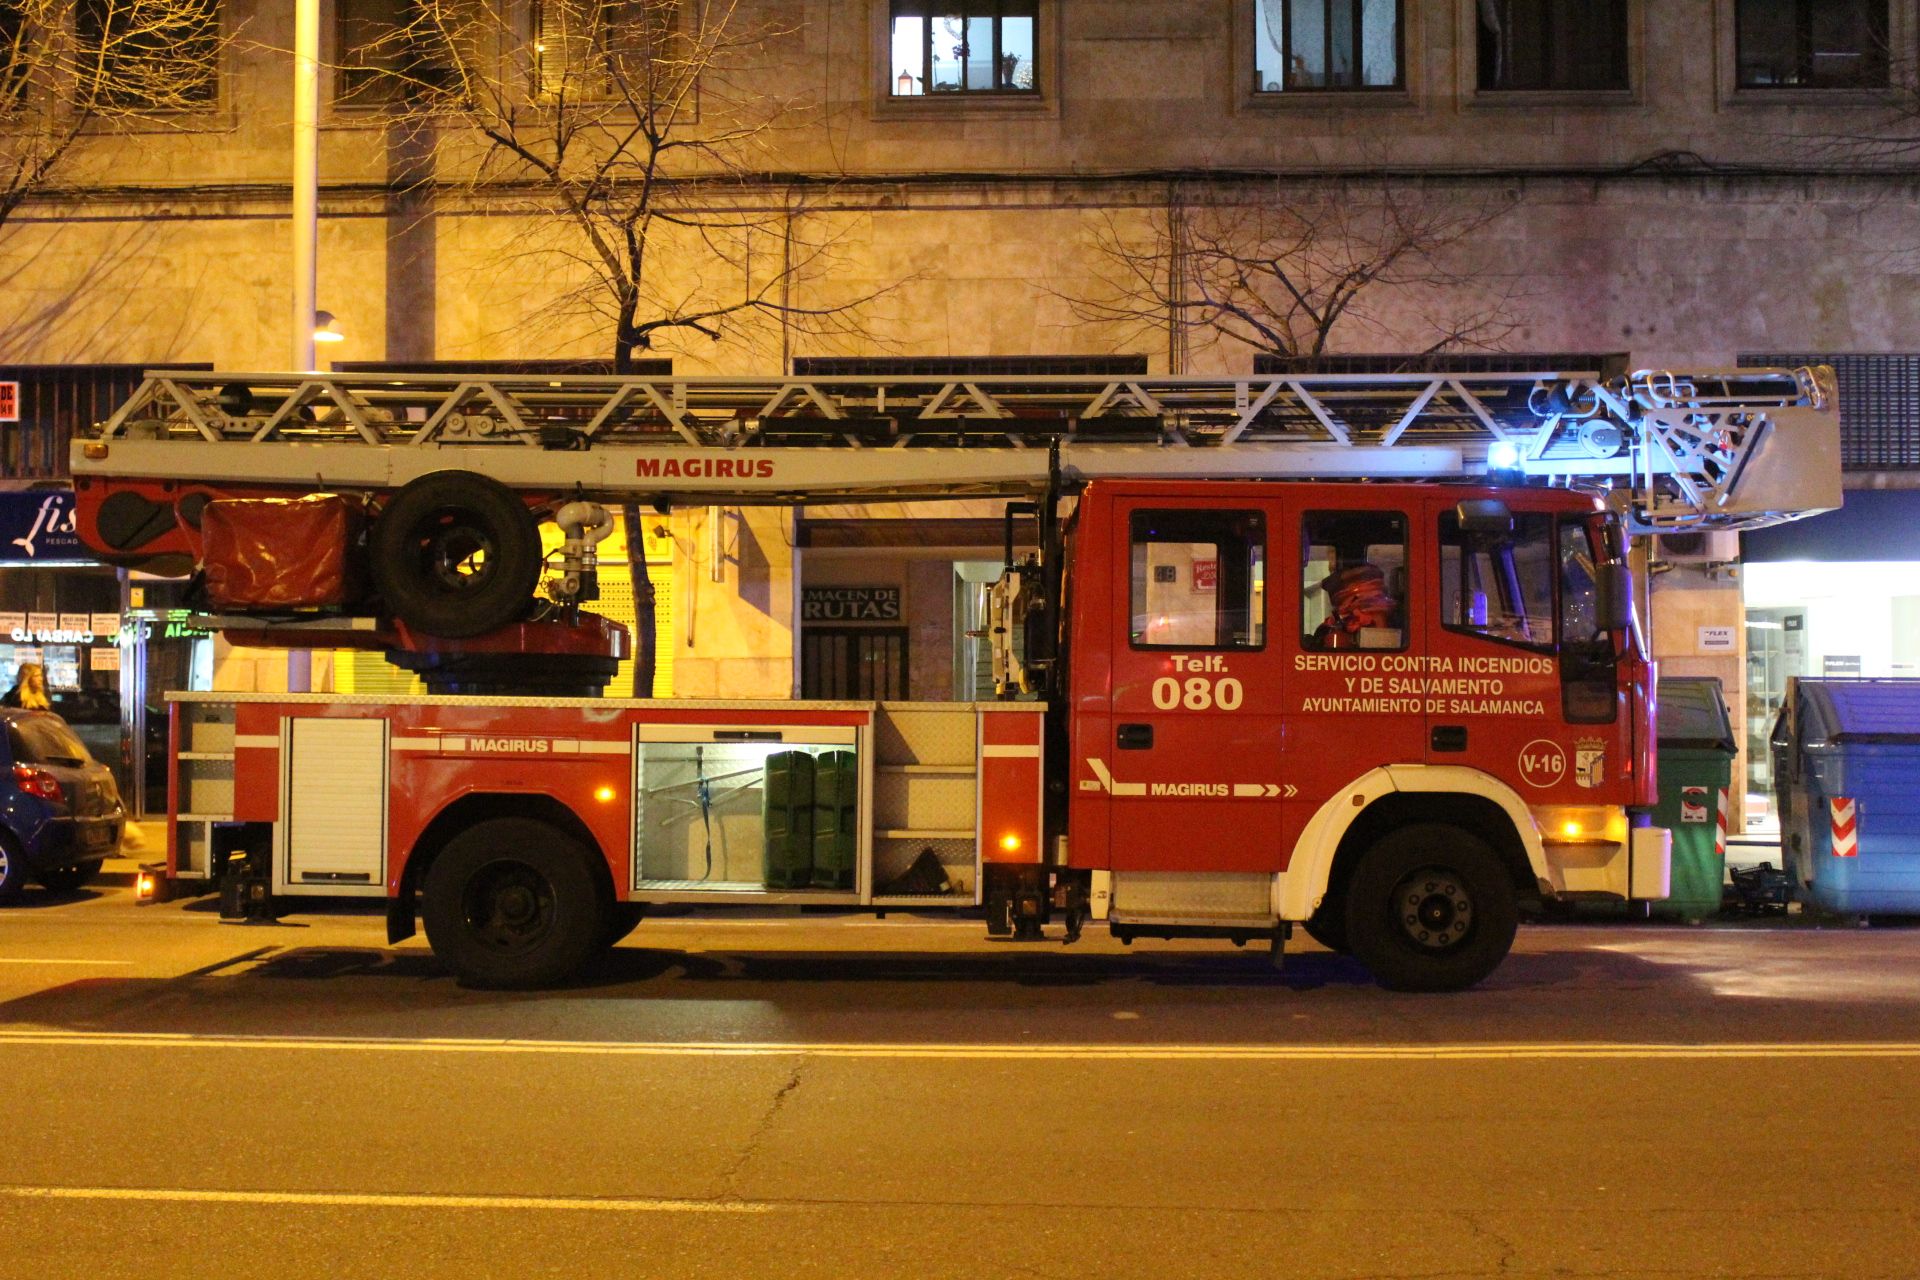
x: 444, y: 479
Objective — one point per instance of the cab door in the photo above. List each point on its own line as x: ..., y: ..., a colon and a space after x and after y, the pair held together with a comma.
x: 1358, y: 658
x: 1516, y: 698
x: 1191, y: 767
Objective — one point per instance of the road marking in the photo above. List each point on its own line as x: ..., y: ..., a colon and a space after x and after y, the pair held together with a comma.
x: 993, y: 1052
x: 40, y: 960
x: 362, y: 1200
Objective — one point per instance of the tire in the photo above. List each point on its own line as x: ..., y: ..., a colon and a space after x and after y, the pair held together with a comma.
x: 514, y: 903
x: 68, y: 879
x: 1328, y: 927
x: 13, y: 870
x: 621, y: 919
x: 1431, y: 908
x: 455, y: 554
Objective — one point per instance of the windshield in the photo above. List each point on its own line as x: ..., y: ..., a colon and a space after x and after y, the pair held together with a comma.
x: 45, y: 740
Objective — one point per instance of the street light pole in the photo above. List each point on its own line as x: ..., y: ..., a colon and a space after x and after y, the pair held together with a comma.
x: 306, y: 176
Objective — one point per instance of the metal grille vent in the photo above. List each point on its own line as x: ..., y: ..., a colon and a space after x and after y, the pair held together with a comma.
x: 968, y: 366
x: 1879, y: 407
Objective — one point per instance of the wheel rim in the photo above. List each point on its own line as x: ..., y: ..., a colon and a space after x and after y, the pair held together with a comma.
x: 456, y: 554
x: 508, y: 906
x: 1433, y: 909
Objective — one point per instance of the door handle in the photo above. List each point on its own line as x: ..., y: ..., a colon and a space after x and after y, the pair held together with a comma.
x: 1449, y: 737
x: 1134, y: 737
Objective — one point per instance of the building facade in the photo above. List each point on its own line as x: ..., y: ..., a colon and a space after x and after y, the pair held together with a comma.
x: 1666, y: 182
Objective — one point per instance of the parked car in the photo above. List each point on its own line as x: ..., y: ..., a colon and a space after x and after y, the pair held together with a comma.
x: 60, y: 812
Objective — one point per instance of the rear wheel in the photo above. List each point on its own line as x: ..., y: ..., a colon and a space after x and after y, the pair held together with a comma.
x: 67, y: 879
x: 455, y: 554
x: 13, y: 871
x: 512, y: 902
x: 1431, y: 908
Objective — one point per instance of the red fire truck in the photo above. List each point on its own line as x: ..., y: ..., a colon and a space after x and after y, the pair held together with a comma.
x: 1392, y: 710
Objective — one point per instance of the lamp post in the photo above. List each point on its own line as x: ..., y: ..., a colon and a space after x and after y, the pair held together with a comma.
x: 306, y: 176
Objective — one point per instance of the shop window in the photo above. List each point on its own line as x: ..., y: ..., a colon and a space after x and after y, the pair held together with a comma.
x: 1199, y: 580
x: 1499, y: 585
x: 1811, y: 44
x: 1317, y: 45
x: 963, y: 47
x: 1552, y: 44
x: 1353, y: 580
x: 160, y: 61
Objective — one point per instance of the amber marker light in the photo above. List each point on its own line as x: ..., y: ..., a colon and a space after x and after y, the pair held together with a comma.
x: 143, y: 887
x: 1010, y: 843
x: 94, y: 449
x: 604, y: 795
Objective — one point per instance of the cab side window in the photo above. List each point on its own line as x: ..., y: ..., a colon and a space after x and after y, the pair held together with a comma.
x: 1499, y: 586
x: 1353, y: 580
x: 1199, y: 580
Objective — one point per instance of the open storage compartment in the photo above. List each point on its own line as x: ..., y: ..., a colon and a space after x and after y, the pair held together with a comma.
x: 775, y: 811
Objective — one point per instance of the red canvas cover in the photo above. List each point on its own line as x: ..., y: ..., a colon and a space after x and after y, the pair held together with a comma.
x: 281, y: 553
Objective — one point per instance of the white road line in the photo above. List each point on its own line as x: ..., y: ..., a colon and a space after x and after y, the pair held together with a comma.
x: 349, y: 1199
x: 42, y: 960
x: 1587, y: 1051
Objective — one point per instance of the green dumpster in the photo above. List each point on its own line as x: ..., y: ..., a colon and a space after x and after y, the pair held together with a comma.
x: 1695, y: 770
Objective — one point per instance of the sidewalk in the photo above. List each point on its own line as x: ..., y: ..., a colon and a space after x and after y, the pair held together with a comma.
x: 142, y: 841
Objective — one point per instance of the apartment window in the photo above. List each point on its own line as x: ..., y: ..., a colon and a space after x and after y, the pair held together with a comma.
x: 15, y: 58
x: 970, y: 46
x: 1811, y: 44
x: 390, y: 49
x: 1569, y: 45
x: 164, y: 61
x: 1326, y: 44
x: 582, y: 47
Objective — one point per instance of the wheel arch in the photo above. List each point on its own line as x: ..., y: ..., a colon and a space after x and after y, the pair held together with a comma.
x: 1394, y: 796
x: 467, y: 810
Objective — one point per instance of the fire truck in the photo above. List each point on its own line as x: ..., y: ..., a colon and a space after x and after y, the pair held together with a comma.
x: 1355, y: 653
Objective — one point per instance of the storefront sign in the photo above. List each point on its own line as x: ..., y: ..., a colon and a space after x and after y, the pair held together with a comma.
x: 38, y: 525
x: 1840, y: 664
x: 850, y: 604
x: 1716, y: 640
x: 1206, y: 575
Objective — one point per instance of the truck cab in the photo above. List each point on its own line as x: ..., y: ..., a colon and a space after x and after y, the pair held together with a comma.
x: 1389, y: 711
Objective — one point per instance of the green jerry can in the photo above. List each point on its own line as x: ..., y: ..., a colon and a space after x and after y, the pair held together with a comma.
x: 836, y: 819
x: 787, y: 819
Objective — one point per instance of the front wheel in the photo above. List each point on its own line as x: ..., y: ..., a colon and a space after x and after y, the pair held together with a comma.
x: 1431, y: 908
x: 514, y: 903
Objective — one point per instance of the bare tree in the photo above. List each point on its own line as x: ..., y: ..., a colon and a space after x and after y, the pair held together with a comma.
x: 642, y: 132
x: 71, y: 70
x: 1283, y: 267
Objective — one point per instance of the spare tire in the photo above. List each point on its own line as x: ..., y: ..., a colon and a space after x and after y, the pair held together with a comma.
x: 455, y: 554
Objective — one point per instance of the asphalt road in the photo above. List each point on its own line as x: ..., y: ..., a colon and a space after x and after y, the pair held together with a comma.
x: 853, y: 1098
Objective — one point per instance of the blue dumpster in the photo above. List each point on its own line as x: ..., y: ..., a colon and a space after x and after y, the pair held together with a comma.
x: 1846, y: 767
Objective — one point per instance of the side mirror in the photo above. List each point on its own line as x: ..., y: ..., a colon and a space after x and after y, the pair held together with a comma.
x: 1484, y: 516
x: 1613, y: 595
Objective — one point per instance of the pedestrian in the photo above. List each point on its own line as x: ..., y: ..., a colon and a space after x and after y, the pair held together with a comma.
x: 29, y: 688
